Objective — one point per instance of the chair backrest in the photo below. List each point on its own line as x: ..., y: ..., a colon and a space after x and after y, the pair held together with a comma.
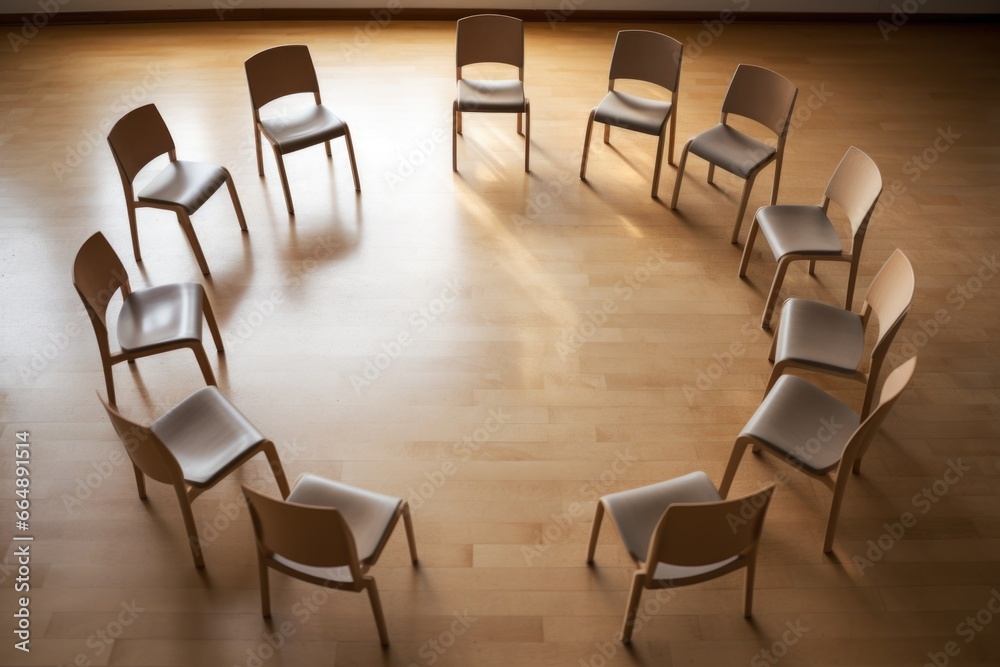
x: 645, y: 55
x: 697, y: 534
x: 894, y: 385
x: 147, y: 452
x: 855, y: 187
x: 891, y: 294
x: 761, y: 95
x: 489, y: 38
x: 307, y: 534
x: 138, y: 138
x: 280, y: 71
x: 97, y: 274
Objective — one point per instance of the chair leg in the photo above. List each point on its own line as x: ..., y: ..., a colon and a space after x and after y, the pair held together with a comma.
x: 213, y: 325
x: 739, y: 447
x: 260, y: 156
x: 607, y: 133
x: 329, y: 149
x: 527, y: 134
x: 284, y: 181
x: 655, y: 194
x: 140, y: 481
x: 595, y: 531
x: 851, y: 279
x: 673, y: 129
x: 776, y: 372
x: 835, y: 505
x: 189, y: 524
x: 206, y: 368
x: 748, y: 584
x: 774, y: 346
x: 456, y: 119
x: 383, y: 632
x: 586, y: 145
x: 350, y: 154
x: 519, y: 131
x: 743, y: 208
x: 777, y: 178
x: 265, y: 587
x: 680, y: 174
x: 133, y: 226
x: 411, y: 540
x: 772, y: 297
x: 188, y: 228
x: 748, y: 247
x: 271, y: 452
x: 632, y: 607
x: 236, y: 200
x: 711, y: 174
x: 812, y: 267
x: 109, y: 382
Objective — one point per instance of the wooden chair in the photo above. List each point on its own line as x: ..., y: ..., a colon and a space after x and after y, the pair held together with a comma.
x: 326, y: 533
x: 153, y: 320
x: 682, y: 531
x: 797, y: 233
x: 192, y: 447
x: 762, y: 96
x: 648, y: 56
x: 490, y: 38
x: 138, y: 138
x: 279, y: 72
x: 818, y: 337
x: 816, y: 433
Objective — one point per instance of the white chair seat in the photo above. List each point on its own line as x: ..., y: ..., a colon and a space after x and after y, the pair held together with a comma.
x: 805, y: 230
x: 159, y: 315
x: 803, y: 424
x: 731, y: 150
x: 820, y: 335
x: 500, y: 96
x: 206, y: 433
x: 185, y: 184
x: 633, y: 113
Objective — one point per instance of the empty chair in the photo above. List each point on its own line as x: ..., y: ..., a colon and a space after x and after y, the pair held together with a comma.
x: 490, y: 38
x: 762, y: 96
x: 141, y: 136
x: 192, y: 447
x: 815, y: 336
x: 326, y: 533
x: 816, y: 433
x: 682, y: 532
x: 807, y: 233
x: 279, y: 72
x: 152, y: 320
x: 640, y: 55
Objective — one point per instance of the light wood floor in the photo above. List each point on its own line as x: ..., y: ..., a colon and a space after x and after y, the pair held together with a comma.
x: 659, y: 389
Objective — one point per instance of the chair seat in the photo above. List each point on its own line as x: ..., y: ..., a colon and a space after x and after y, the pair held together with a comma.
x: 633, y: 113
x: 185, y: 184
x: 500, y: 96
x: 803, y: 424
x: 206, y: 434
x: 158, y: 315
x: 732, y: 150
x: 798, y: 230
x: 820, y: 335
x: 637, y: 512
x: 300, y: 129
x: 368, y: 514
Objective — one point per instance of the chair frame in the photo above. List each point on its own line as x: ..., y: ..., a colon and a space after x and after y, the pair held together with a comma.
x: 691, y: 518
x: 777, y: 157
x: 328, y: 522
x: 850, y: 460
x: 669, y: 127
x: 896, y: 268
x: 151, y: 457
x: 268, y: 92
x: 859, y: 217
x: 129, y: 165
x: 456, y: 115
x: 96, y: 294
